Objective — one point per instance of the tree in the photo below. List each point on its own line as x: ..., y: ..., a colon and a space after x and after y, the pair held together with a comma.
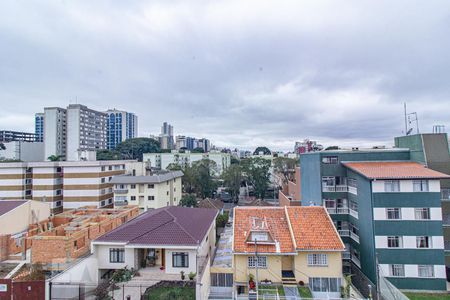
x: 108, y: 155
x: 54, y: 158
x: 188, y: 201
x: 135, y: 148
x: 188, y: 179
x: 234, y: 160
x: 257, y: 172
x: 264, y: 150
x: 232, y: 178
x: 2, y: 146
x: 203, y: 173
x: 174, y: 167
x: 285, y: 167
x: 198, y: 150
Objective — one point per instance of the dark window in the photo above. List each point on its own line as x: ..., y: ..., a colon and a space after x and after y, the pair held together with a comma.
x: 330, y: 160
x: 180, y: 260
x: 117, y: 255
x: 151, y: 186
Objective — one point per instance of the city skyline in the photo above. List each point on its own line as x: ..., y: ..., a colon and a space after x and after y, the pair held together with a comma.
x: 211, y: 69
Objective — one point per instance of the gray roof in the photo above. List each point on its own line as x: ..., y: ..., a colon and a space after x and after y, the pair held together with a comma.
x: 8, y: 205
x: 163, y: 177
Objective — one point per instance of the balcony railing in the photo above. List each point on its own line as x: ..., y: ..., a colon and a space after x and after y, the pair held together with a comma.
x: 334, y: 188
x: 346, y: 255
x: 344, y: 232
x: 354, y: 236
x: 447, y: 246
x: 120, y: 203
x: 338, y: 211
x: 353, y: 213
x: 120, y: 191
x: 353, y: 190
x: 356, y: 261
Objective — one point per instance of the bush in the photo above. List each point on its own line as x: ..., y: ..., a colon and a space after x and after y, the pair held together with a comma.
x: 222, y: 220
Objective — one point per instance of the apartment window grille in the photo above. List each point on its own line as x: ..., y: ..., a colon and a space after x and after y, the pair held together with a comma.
x: 393, y: 213
x: 58, y: 203
x: 392, y: 186
x: 397, y: 270
x: 58, y: 192
x: 420, y: 186
x: 445, y: 194
x: 422, y: 213
x: 317, y: 259
x: 28, y: 193
x: 394, y: 242
x: 180, y: 260
x: 260, y: 262
x: 425, y: 271
x: 423, y: 242
x: 221, y: 279
x: 116, y: 255
x: 133, y: 186
x: 318, y: 284
x: 330, y: 160
x: 328, y: 181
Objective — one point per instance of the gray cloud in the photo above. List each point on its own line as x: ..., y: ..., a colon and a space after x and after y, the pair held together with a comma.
x: 241, y: 73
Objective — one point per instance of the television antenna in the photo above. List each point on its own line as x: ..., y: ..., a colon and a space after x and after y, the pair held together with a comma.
x: 409, y: 119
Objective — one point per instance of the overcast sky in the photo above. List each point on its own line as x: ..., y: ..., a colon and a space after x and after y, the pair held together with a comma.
x: 242, y: 73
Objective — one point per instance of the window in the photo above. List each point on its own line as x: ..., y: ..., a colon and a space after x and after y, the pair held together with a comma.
x: 28, y: 193
x: 393, y: 213
x: 167, y: 193
x: 110, y: 168
x: 58, y: 192
x: 151, y: 197
x: 425, y: 270
x: 351, y: 182
x: 445, y: 194
x: 133, y: 186
x: 392, y: 186
x: 397, y: 270
x: 420, y: 185
x: 103, y: 180
x: 151, y: 186
x: 180, y: 260
x: 58, y: 203
x: 317, y: 259
x: 133, y: 198
x: 260, y: 236
x: 317, y: 284
x: 423, y: 242
x: 330, y: 160
x: 116, y: 255
x: 260, y: 261
x: 422, y: 213
x: 394, y: 242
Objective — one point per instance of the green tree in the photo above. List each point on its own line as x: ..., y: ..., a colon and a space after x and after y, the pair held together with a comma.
x: 2, y: 146
x: 189, y: 201
x: 203, y: 177
x: 198, y: 150
x: 174, y: 167
x: 135, y: 148
x: 189, y: 179
x: 234, y: 161
x: 232, y: 178
x: 54, y: 158
x: 285, y: 167
x: 263, y: 149
x: 257, y: 172
x: 108, y: 155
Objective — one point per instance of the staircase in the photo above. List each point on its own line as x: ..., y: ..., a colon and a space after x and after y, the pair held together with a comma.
x: 288, y: 277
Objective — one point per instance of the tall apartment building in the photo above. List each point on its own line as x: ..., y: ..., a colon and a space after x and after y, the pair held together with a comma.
x: 166, y: 137
x: 68, y: 184
x: 39, y: 127
x: 55, y: 131
x: 386, y: 208
x: 67, y: 132
x: 162, y: 160
x: 120, y: 126
x: 13, y: 136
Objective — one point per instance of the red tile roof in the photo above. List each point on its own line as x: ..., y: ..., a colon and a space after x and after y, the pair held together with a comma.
x: 171, y: 225
x: 8, y: 205
x: 394, y: 170
x: 294, y: 228
x: 313, y: 228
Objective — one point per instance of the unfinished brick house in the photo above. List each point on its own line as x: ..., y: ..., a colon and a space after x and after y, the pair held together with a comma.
x: 62, y: 238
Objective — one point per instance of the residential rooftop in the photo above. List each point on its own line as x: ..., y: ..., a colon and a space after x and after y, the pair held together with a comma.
x: 172, y: 225
x: 8, y: 205
x: 357, y: 150
x: 64, y: 163
x: 157, y: 178
x: 394, y: 170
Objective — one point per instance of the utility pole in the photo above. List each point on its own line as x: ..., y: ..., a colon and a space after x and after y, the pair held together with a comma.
x: 256, y: 269
x: 406, y: 121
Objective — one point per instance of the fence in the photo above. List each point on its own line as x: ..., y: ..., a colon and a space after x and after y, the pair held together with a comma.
x: 22, y: 289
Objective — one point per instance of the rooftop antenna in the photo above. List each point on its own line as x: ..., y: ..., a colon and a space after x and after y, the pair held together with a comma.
x: 409, y: 118
x: 438, y: 128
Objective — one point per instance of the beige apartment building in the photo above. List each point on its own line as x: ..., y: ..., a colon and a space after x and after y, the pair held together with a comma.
x: 63, y: 184
x: 152, y: 191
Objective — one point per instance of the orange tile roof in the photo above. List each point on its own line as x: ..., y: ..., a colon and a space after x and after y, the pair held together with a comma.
x: 313, y: 228
x: 393, y: 170
x: 277, y: 225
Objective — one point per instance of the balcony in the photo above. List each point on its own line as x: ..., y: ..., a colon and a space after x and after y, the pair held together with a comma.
x: 344, y: 232
x: 353, y: 190
x: 447, y: 246
x: 120, y: 191
x: 334, y: 188
x: 346, y: 255
x: 356, y: 261
x: 120, y: 203
x: 354, y: 236
x: 353, y: 213
x: 338, y: 211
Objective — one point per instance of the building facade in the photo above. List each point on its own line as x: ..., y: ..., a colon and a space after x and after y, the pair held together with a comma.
x: 22, y: 151
x: 120, y: 126
x: 148, y: 191
x: 386, y: 209
x: 39, y: 127
x: 62, y: 184
x: 55, y: 132
x: 12, y: 136
x: 166, y: 139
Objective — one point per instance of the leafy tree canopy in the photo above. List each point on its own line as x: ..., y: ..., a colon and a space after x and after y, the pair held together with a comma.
x: 198, y: 150
x: 189, y: 201
x: 257, y: 172
x: 285, y: 166
x: 264, y: 150
x: 54, y: 158
x: 232, y: 178
x: 135, y: 148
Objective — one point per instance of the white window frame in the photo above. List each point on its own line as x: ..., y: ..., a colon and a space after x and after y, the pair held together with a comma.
x: 394, y: 208
x: 425, y: 271
x: 419, y: 213
x: 392, y: 186
x: 397, y: 270
x: 318, y: 260
x: 421, y: 185
x: 398, y: 239
x: 419, y: 242
x: 252, y: 262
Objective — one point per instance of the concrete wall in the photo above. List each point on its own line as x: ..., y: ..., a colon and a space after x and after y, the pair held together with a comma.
x: 18, y: 219
x: 303, y: 272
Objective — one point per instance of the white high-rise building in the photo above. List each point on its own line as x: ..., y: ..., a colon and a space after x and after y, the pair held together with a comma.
x: 166, y: 136
x: 54, y: 132
x: 121, y: 125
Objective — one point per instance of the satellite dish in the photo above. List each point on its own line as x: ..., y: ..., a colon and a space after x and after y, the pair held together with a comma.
x: 409, y: 131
